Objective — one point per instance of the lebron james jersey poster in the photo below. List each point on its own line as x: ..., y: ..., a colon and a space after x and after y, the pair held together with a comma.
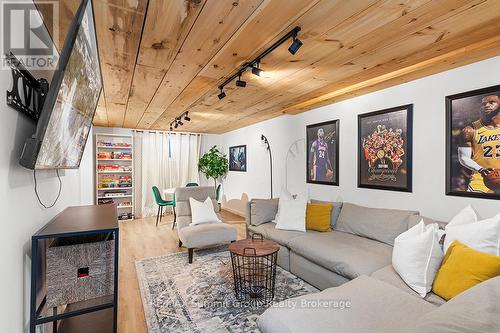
x: 473, y: 143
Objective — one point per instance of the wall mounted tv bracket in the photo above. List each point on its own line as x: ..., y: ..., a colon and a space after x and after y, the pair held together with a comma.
x: 27, y: 94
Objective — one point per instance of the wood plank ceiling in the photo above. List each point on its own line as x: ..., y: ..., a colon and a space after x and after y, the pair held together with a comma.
x: 160, y: 58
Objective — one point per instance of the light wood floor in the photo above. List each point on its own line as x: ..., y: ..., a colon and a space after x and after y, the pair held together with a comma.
x: 141, y: 239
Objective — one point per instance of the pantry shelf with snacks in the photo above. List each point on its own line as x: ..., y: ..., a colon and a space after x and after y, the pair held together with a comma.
x: 114, y: 160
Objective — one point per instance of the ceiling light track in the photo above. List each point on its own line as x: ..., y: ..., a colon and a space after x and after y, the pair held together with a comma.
x: 178, y: 121
x: 254, y: 65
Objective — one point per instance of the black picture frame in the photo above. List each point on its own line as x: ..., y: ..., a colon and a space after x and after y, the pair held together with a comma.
x: 453, y: 167
x: 232, y: 163
x: 333, y: 150
x: 402, y: 175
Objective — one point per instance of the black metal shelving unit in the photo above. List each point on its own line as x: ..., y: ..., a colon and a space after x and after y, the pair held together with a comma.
x: 97, y: 315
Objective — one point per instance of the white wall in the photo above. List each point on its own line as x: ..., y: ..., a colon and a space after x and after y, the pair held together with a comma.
x: 22, y: 215
x: 428, y: 97
x: 238, y: 187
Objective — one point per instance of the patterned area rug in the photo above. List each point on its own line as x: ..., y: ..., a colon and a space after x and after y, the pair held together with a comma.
x: 178, y: 297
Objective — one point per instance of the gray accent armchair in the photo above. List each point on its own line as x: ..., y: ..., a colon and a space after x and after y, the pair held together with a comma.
x: 201, y: 235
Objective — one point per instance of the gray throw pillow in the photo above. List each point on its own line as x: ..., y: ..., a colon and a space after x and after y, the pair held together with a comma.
x: 337, y: 207
x: 263, y: 210
x: 415, y: 219
x: 379, y: 224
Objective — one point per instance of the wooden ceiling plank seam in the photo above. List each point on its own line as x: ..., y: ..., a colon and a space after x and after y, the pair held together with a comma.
x: 135, y: 62
x: 232, y: 40
x: 373, y: 5
x: 293, y: 23
x: 195, y: 76
x: 118, y: 59
x: 483, y: 45
x: 489, y: 50
x: 400, y: 72
x: 399, y: 41
x: 105, y: 109
x: 173, y: 59
x: 305, y: 69
x: 178, y: 45
x: 235, y: 30
x: 315, y: 82
x: 492, y: 47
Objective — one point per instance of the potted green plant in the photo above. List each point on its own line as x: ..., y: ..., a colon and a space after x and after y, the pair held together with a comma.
x: 213, y: 164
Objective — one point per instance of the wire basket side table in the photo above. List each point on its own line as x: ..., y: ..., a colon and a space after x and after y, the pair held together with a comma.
x: 254, y: 269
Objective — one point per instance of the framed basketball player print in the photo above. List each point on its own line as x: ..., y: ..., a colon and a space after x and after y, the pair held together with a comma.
x: 238, y: 158
x: 385, y: 149
x: 322, y: 157
x: 473, y: 143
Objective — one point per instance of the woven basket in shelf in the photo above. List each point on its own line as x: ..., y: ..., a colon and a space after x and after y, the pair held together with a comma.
x: 80, y: 271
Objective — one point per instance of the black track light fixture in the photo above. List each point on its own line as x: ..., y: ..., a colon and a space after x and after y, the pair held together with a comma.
x: 257, y: 71
x: 241, y: 83
x: 178, y: 120
x: 296, y: 44
x: 222, y: 94
x: 254, y: 65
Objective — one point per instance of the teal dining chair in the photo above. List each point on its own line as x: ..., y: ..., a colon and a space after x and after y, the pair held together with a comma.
x: 163, y: 203
x: 191, y: 184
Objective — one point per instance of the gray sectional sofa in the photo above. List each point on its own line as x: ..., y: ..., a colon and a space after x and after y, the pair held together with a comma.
x: 353, y: 262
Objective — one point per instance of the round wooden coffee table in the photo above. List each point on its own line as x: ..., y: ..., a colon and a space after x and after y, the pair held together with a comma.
x: 254, y: 269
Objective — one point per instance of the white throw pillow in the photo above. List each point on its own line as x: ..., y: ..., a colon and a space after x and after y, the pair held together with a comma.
x: 482, y: 235
x: 285, y: 195
x: 465, y: 216
x: 292, y: 213
x: 417, y: 256
x: 202, y: 212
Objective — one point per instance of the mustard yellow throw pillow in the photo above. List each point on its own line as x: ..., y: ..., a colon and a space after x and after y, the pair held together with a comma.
x: 463, y: 268
x: 318, y: 217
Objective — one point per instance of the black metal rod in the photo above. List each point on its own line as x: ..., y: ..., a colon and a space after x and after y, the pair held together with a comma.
x: 271, y: 167
x: 268, y: 146
x: 291, y: 34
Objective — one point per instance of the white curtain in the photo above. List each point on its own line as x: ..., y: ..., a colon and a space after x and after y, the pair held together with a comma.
x: 165, y: 160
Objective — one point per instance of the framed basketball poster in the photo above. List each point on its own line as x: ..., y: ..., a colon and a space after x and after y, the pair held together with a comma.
x: 238, y: 158
x: 322, y: 155
x: 473, y: 143
x: 385, y: 149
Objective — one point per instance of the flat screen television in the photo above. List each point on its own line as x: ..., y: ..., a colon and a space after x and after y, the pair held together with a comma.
x: 66, y: 117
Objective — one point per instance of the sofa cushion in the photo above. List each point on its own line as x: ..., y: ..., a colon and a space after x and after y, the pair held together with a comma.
x: 283, y: 237
x: 263, y: 210
x: 380, y: 224
x: 475, y: 310
x: 337, y: 207
x: 196, y: 236
x: 389, y: 275
x: 358, y: 306
x: 413, y: 220
x: 343, y: 253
